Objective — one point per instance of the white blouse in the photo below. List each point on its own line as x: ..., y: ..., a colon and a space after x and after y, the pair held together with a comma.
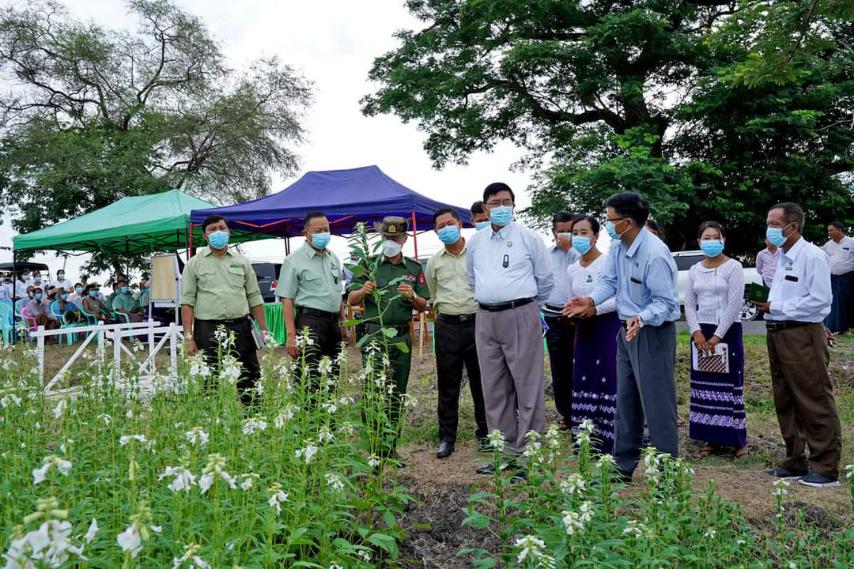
x: 582, y: 281
x: 714, y: 296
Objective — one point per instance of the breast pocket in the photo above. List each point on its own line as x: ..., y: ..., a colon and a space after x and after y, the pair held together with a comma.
x: 236, y: 276
x: 637, y: 291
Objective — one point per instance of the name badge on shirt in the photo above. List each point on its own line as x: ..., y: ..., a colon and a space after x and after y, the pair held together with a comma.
x: 787, y: 267
x: 590, y: 278
x: 792, y: 278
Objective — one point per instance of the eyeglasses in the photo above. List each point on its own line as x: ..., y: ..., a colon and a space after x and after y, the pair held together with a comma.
x: 505, y: 203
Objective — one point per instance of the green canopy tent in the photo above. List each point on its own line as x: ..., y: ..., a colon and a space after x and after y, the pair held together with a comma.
x: 131, y: 226
x: 135, y: 225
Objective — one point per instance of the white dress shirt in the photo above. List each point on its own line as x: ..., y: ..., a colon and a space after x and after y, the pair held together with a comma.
x: 509, y: 264
x: 801, y: 287
x: 841, y: 255
x: 560, y: 261
x: 582, y: 281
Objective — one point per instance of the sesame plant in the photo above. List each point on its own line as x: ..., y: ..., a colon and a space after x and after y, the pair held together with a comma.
x: 572, y: 511
x: 182, y: 475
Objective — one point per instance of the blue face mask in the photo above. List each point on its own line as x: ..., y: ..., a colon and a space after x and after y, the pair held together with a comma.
x: 123, y: 290
x: 501, y: 215
x: 612, y: 230
x: 449, y: 234
x: 38, y: 296
x: 218, y: 239
x: 712, y: 247
x: 481, y: 225
x: 775, y: 236
x: 78, y: 290
x: 93, y: 293
x: 581, y: 243
x: 321, y: 240
x: 63, y: 296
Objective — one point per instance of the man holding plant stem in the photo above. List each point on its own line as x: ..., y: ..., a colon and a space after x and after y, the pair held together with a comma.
x: 386, y: 310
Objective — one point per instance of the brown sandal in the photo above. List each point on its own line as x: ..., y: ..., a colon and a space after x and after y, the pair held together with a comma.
x: 707, y: 450
x: 741, y: 452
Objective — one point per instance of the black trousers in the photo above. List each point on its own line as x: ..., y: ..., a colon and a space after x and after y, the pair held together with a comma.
x: 560, y: 339
x: 326, y: 334
x: 244, y: 350
x: 455, y: 347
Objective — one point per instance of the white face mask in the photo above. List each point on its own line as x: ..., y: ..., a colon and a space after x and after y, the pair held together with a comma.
x: 391, y: 248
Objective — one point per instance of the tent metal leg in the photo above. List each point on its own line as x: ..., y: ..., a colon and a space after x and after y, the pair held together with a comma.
x: 415, y: 234
x: 14, y: 295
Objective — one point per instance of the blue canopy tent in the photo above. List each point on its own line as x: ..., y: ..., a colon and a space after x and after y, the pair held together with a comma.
x: 347, y: 197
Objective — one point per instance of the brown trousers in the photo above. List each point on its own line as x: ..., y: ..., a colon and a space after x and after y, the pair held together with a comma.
x: 803, y: 398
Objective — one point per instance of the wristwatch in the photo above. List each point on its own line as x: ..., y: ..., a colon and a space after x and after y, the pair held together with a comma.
x: 640, y: 322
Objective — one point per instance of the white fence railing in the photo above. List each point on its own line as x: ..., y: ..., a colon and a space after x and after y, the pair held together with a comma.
x: 144, y: 333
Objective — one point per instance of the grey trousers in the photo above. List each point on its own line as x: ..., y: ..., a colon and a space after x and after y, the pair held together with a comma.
x: 510, y: 353
x: 646, y: 389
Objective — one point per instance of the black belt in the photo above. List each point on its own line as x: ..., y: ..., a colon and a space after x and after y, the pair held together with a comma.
x: 456, y: 318
x: 774, y: 325
x: 318, y: 313
x: 226, y: 322
x: 506, y: 305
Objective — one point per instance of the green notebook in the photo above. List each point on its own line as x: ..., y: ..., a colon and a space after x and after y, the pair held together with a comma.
x: 757, y: 292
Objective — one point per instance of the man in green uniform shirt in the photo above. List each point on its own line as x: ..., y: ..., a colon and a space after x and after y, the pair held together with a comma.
x: 219, y: 288
x: 396, y: 309
x: 310, y: 288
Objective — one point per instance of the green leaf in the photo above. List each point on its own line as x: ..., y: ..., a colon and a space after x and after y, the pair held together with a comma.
x: 402, y: 346
x: 389, y: 332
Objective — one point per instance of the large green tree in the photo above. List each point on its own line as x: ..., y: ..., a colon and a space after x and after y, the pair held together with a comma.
x: 603, y: 96
x: 90, y: 115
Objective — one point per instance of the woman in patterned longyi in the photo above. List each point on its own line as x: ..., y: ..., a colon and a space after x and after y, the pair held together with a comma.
x: 713, y: 309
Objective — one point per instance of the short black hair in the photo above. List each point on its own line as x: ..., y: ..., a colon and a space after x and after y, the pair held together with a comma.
x: 90, y: 286
x: 837, y: 224
x: 477, y: 207
x: 652, y: 224
x: 496, y: 187
x: 311, y: 215
x: 594, y: 223
x: 630, y: 205
x: 562, y: 217
x: 210, y: 220
x: 792, y: 213
x: 714, y: 225
x: 443, y: 211
x: 121, y: 280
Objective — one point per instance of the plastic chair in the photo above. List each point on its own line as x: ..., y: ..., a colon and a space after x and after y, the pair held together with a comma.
x: 91, y: 319
x: 70, y: 337
x: 28, y: 321
x: 6, y: 328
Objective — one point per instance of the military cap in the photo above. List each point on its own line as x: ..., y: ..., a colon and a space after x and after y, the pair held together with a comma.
x: 392, y: 226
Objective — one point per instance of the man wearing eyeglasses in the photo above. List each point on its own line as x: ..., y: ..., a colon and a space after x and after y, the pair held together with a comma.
x: 509, y: 270
x: 642, y: 275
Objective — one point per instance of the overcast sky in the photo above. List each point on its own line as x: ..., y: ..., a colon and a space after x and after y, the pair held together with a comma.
x: 332, y: 43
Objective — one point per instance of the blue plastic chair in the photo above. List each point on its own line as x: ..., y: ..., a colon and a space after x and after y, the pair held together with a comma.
x: 6, y: 327
x: 70, y: 337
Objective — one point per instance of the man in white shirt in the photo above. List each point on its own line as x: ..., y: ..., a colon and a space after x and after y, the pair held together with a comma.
x: 797, y: 349
x: 840, y: 248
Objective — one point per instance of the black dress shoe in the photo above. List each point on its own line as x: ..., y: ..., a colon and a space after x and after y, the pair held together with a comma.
x: 446, y: 448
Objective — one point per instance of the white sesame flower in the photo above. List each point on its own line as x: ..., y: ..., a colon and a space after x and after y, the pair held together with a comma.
x: 710, y: 533
x: 277, y: 498
x: 47, y: 546
x: 496, y: 439
x: 409, y: 402
x: 105, y: 418
x: 230, y: 370
x: 253, y: 425
x: 191, y: 557
x: 91, y: 532
x: 214, y: 469
x: 59, y: 409
x: 634, y: 529
x: 130, y: 540
x: 125, y: 439
x: 781, y: 487
x: 306, y: 453
x: 373, y: 461
x: 325, y: 435
x: 849, y: 471
x: 196, y: 436
x: 347, y: 428
x: 587, y: 426
x: 10, y: 400
x: 534, y: 548
x: 248, y: 480
x: 62, y: 466
x: 325, y: 365
x: 334, y: 481
x: 183, y: 479
x: 573, y: 485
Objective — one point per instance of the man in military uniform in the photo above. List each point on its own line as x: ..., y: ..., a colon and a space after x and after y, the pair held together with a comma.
x: 219, y: 288
x: 396, y: 309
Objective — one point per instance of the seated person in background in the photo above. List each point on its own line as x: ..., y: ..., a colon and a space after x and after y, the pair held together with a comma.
x: 93, y: 304
x: 144, y: 294
x: 51, y: 293
x: 67, y: 308
x: 77, y: 295
x: 40, y: 310
x: 30, y: 290
x: 125, y: 303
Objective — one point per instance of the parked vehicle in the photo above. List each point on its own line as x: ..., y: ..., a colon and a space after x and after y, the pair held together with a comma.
x: 687, y: 259
x: 268, y: 279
